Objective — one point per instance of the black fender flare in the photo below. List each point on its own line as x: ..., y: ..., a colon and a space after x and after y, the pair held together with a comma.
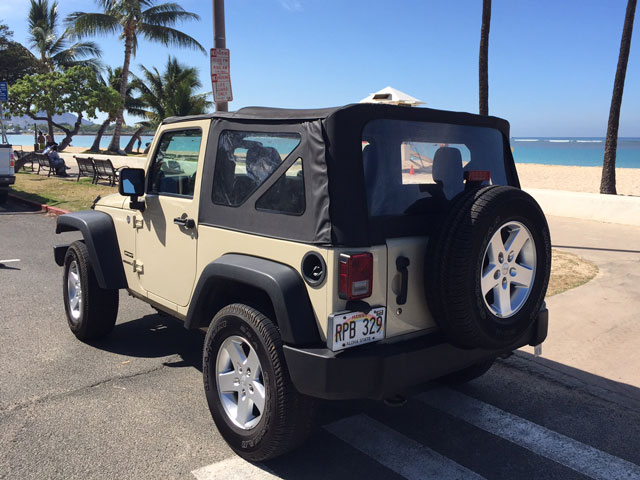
x: 281, y: 283
x: 102, y: 242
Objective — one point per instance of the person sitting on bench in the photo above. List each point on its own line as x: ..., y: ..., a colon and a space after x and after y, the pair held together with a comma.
x: 55, y: 160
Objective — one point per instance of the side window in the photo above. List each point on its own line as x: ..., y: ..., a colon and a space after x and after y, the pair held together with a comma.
x: 174, y: 167
x: 287, y: 194
x: 244, y: 161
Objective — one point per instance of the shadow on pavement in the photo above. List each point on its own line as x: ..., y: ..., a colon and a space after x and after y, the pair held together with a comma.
x: 155, y: 336
x: 14, y: 206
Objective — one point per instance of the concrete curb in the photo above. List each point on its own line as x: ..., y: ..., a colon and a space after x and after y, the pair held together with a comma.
x: 589, y: 206
x: 43, y: 206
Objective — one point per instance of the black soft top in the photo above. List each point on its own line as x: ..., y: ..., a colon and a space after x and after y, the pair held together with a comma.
x: 356, y: 112
x: 335, y: 191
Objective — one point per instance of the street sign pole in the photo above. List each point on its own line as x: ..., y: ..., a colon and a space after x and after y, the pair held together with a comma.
x: 4, y: 97
x: 219, y: 40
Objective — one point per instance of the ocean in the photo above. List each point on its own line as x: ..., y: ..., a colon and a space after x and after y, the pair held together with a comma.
x: 84, y: 141
x: 574, y: 151
x: 581, y: 151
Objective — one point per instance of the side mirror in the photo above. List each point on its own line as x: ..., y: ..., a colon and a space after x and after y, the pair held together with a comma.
x: 132, y: 185
x: 131, y: 182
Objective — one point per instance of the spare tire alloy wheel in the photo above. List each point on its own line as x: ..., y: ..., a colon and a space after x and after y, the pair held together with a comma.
x: 509, y: 268
x: 488, y: 267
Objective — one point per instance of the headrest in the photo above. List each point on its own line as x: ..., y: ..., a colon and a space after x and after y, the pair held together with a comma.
x: 447, y: 170
x: 261, y: 162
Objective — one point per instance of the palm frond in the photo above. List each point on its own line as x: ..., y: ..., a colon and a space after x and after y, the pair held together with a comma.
x: 83, y: 24
x: 168, y: 18
x: 169, y: 36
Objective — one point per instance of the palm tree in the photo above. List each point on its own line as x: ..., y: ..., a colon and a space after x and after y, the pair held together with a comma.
x: 484, y: 58
x: 608, y: 181
x: 55, y: 51
x: 132, y: 105
x: 171, y: 93
x: 133, y: 19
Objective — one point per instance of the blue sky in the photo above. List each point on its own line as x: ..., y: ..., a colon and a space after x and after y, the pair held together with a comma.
x: 551, y: 63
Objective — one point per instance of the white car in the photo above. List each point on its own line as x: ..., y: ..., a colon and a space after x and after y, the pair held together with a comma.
x: 7, y: 174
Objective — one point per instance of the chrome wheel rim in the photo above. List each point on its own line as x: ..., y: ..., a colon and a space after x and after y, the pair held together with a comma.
x: 240, y: 382
x: 74, y: 291
x: 508, y: 269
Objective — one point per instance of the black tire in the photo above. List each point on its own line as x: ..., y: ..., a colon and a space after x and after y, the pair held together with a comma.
x: 288, y: 416
x: 4, y: 194
x: 98, y: 308
x: 454, y: 263
x: 467, y: 374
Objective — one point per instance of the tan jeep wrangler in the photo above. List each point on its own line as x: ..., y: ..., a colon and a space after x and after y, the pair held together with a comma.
x: 342, y: 253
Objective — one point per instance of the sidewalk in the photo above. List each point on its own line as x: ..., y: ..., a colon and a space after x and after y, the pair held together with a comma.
x: 117, y: 160
x: 596, y: 327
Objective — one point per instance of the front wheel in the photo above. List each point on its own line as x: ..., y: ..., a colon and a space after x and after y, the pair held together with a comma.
x: 91, y: 310
x: 250, y: 395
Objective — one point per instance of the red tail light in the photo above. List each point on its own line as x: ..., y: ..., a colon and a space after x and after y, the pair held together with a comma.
x: 11, y: 161
x: 356, y: 276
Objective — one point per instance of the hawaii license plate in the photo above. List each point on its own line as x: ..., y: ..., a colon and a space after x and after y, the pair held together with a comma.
x: 349, y: 329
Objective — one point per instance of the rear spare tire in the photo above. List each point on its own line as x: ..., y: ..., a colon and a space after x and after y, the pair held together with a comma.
x: 488, y: 268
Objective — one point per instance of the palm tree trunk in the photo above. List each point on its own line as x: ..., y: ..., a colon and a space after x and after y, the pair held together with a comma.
x: 484, y: 58
x: 608, y: 181
x: 114, y: 146
x: 96, y: 142
x: 136, y: 135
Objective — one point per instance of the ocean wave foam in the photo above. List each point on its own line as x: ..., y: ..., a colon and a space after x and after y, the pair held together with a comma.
x: 589, y: 141
x: 560, y: 141
x: 526, y: 140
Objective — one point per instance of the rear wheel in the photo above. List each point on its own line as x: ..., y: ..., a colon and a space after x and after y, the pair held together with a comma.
x: 250, y: 395
x: 91, y: 310
x: 4, y: 194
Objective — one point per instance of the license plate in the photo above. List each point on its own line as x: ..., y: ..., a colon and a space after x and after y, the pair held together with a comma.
x: 349, y: 329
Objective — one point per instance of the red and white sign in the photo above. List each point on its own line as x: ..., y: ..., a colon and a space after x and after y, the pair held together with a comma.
x: 220, y: 75
x: 221, y: 88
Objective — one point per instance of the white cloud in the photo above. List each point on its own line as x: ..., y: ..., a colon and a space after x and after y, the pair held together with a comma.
x: 291, y: 5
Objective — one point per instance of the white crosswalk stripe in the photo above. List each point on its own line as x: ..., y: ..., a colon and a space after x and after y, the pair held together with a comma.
x: 412, y: 460
x: 234, y: 468
x: 571, y: 453
x: 396, y: 451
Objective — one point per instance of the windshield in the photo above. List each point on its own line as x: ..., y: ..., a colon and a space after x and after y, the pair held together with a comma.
x: 416, y: 167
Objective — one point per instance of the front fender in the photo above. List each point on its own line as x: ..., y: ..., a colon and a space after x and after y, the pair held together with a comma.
x: 102, y: 242
x: 283, y: 285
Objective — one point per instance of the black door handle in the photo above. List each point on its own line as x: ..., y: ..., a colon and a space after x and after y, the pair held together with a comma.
x: 401, y: 264
x: 185, y: 222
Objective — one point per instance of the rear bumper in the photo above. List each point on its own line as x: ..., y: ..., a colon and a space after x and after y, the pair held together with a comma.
x: 379, y: 370
x: 6, y: 180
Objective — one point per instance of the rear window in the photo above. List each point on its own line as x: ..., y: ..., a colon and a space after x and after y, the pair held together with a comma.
x: 417, y: 167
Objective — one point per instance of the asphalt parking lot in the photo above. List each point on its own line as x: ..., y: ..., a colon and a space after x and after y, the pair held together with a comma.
x: 132, y: 406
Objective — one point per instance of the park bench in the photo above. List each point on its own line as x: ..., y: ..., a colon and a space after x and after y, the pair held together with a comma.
x: 23, y: 158
x: 106, y: 171
x: 43, y: 164
x: 86, y: 168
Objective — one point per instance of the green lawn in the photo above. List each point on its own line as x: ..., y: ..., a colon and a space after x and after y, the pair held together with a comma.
x: 59, y: 192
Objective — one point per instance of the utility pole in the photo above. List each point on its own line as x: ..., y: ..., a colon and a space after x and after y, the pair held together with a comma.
x: 219, y: 40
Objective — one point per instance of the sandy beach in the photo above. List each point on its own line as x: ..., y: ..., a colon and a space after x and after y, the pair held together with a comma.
x: 576, y: 179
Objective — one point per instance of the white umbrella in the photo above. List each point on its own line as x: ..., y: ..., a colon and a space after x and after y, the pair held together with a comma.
x: 392, y: 96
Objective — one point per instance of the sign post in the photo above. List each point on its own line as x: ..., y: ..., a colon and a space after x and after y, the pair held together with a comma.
x: 220, y: 77
x: 220, y: 84
x: 4, y: 97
